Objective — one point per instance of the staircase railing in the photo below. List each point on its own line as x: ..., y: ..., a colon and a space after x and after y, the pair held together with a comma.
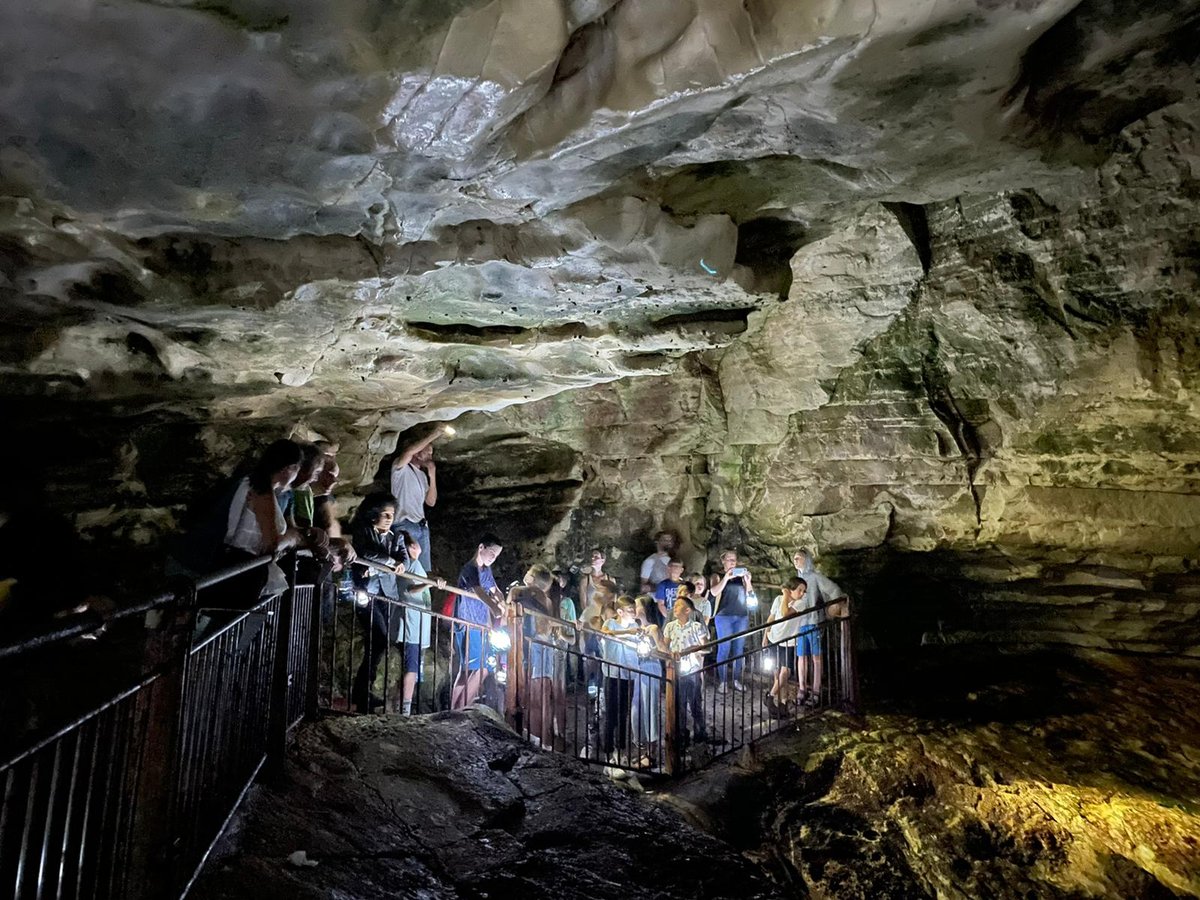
x: 127, y: 798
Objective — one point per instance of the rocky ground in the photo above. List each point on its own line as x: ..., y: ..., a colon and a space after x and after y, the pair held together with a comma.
x: 1006, y: 777
x: 454, y: 805
x: 1021, y: 776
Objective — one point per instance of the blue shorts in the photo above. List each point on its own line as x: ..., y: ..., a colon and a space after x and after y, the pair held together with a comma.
x: 808, y: 642
x: 412, y: 658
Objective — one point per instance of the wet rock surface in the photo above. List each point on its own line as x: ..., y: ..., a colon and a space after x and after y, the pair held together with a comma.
x: 455, y: 805
x: 1012, y: 776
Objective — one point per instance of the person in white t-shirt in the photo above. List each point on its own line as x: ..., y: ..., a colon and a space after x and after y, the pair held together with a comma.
x: 654, y: 567
x: 780, y: 638
x: 414, y: 485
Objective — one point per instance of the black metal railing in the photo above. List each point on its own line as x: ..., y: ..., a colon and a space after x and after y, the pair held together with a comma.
x: 642, y: 710
x: 609, y: 709
x: 743, y: 696
x: 127, y: 798
x: 370, y: 642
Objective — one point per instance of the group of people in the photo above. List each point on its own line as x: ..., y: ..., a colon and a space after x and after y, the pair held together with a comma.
x: 613, y: 644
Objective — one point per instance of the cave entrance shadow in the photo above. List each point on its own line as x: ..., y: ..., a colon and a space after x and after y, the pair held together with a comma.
x: 976, y: 685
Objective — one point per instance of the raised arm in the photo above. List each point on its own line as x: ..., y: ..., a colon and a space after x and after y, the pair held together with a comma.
x: 405, y: 456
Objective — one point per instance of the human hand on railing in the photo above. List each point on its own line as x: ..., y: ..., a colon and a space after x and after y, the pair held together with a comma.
x: 398, y: 568
x: 316, y: 539
x: 441, y: 584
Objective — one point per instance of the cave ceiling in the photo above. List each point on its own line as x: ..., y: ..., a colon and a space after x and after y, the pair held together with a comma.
x: 916, y: 272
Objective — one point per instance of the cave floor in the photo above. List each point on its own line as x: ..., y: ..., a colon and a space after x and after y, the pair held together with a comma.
x: 968, y: 776
x: 977, y: 776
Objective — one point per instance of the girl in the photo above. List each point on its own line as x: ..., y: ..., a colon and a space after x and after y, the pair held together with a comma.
x: 371, y: 535
x: 621, y: 663
x: 647, y: 711
x: 780, y: 639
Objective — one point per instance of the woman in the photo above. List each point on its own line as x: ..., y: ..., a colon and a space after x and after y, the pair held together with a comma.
x: 700, y: 598
x: 780, y: 641
x: 416, y: 627
x: 620, y: 666
x: 255, y: 525
x: 371, y: 535
x: 646, y: 708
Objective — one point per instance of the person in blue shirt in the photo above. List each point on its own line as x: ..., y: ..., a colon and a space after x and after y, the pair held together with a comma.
x: 471, y: 643
x: 620, y: 666
x: 665, y: 591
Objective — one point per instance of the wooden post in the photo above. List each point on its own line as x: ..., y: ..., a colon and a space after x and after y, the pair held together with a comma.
x: 513, y: 693
x: 154, y: 852
x: 671, y: 720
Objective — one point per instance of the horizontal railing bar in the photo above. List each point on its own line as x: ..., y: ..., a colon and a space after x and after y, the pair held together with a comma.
x: 232, y: 623
x: 227, y: 573
x: 82, y: 720
x: 90, y: 621
x: 756, y: 629
x: 587, y: 629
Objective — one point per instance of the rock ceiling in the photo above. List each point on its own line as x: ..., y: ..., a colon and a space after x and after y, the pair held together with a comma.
x: 918, y: 274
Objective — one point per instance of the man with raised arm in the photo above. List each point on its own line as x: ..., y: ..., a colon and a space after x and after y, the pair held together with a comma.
x: 414, y: 485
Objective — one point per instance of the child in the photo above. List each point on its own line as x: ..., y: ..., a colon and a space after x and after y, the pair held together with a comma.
x: 781, y: 640
x: 414, y: 630
x: 681, y: 634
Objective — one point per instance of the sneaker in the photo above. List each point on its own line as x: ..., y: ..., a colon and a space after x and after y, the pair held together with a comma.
x: 739, y: 687
x: 722, y: 687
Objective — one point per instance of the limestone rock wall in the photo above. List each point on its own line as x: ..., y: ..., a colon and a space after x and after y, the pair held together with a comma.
x: 981, y: 413
x: 912, y: 283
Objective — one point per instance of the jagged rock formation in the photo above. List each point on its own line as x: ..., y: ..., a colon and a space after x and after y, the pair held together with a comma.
x: 1054, y: 780
x: 913, y: 283
x: 456, y: 805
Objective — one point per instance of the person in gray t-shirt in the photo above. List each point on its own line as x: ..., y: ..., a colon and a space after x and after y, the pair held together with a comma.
x: 414, y: 485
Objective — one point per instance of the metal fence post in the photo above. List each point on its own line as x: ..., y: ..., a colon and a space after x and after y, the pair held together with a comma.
x: 670, y: 714
x: 513, y: 710
x: 313, y: 675
x: 849, y: 660
x: 277, y: 720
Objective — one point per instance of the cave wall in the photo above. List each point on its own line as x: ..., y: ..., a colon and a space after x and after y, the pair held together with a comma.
x: 910, y: 283
x: 991, y: 435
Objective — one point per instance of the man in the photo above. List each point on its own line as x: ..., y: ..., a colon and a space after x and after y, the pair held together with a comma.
x: 414, y: 485
x: 732, y: 616
x: 654, y: 567
x: 297, y: 501
x: 822, y: 591
x: 471, y: 643
x: 666, y: 590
